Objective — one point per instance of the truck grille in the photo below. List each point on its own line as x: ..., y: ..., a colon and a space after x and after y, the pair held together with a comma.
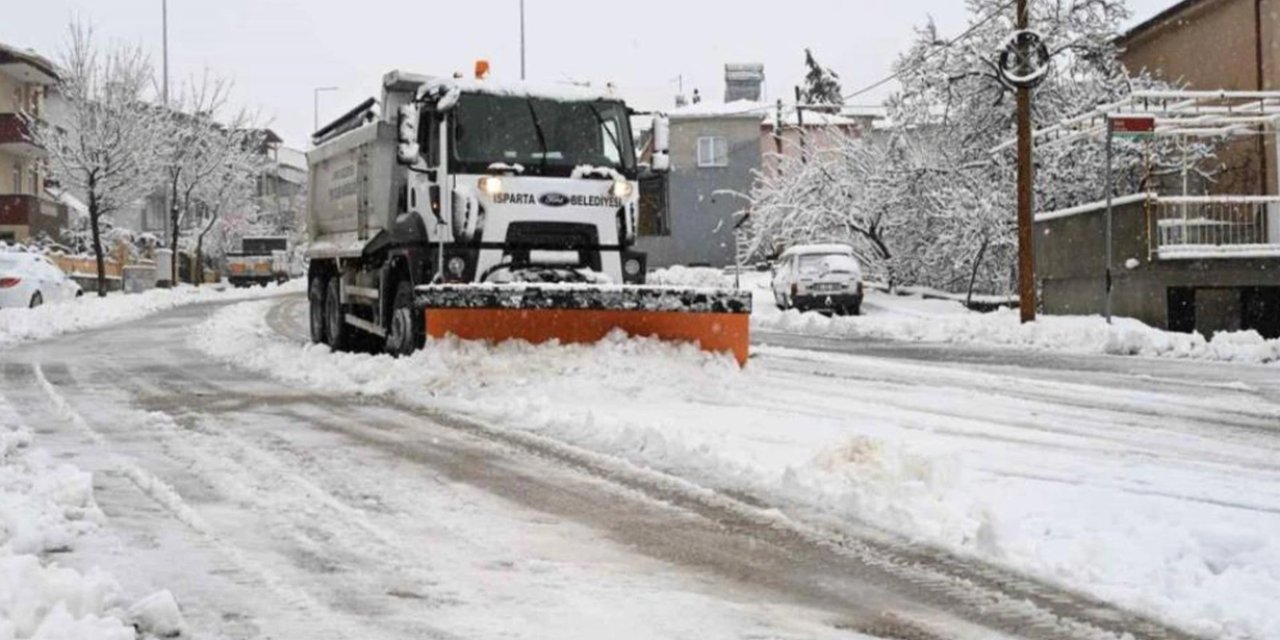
x: 523, y: 237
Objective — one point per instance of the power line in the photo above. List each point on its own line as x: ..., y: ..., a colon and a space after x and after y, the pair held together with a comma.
x: 950, y: 43
x: 897, y: 74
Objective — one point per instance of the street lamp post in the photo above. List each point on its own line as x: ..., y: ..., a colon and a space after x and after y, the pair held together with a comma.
x: 316, y: 106
x: 522, y: 67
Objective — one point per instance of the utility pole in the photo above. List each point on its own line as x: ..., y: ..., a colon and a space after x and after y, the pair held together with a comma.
x: 804, y: 145
x: 1026, y: 232
x: 522, y: 58
x: 1110, y: 283
x: 164, y: 24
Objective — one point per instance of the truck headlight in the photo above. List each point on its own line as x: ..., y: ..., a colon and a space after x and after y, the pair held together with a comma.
x: 491, y: 185
x: 631, y: 267
x: 457, y: 265
x: 622, y: 189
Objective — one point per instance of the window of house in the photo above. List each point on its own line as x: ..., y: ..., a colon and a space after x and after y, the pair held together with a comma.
x: 17, y: 177
x: 713, y: 151
x: 34, y: 178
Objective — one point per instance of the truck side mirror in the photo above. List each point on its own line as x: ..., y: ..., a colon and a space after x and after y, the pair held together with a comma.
x: 661, y: 144
x: 408, y: 151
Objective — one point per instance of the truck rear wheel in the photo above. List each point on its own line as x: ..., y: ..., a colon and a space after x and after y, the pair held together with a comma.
x: 406, y: 332
x: 337, y: 334
x: 315, y: 297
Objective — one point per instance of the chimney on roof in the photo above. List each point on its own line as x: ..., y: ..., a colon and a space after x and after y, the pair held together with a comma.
x: 743, y: 82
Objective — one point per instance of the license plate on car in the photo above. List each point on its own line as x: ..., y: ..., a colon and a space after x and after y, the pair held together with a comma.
x: 827, y: 286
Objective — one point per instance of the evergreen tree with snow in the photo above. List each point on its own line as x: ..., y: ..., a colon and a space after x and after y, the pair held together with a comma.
x: 821, y: 85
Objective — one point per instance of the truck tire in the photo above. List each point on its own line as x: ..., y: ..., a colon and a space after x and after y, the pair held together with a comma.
x: 315, y: 298
x: 405, y: 335
x: 337, y: 334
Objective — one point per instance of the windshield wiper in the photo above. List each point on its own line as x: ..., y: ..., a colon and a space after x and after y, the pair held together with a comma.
x: 542, y: 137
x: 603, y: 125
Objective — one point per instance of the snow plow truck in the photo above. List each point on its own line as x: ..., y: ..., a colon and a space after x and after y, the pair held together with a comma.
x: 491, y: 212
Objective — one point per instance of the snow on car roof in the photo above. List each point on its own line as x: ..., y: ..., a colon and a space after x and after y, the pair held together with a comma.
x: 557, y: 92
x: 805, y: 249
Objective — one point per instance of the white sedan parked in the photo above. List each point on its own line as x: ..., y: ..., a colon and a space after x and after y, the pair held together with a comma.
x: 30, y: 280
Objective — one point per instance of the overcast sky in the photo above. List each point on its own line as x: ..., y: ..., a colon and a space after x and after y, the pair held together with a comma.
x: 278, y: 51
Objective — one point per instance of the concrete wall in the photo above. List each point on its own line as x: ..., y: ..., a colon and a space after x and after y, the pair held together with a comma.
x: 1070, y: 267
x: 817, y: 142
x: 701, y: 219
x: 1212, y: 44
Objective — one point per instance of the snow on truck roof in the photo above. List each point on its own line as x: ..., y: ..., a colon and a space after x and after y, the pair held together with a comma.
x: 809, y: 249
x: 556, y: 92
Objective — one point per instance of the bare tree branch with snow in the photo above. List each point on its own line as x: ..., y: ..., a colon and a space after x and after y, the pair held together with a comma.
x: 107, y: 147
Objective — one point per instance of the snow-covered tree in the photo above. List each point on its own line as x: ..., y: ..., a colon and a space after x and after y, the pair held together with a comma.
x: 228, y: 194
x: 193, y: 150
x: 928, y: 201
x: 106, y: 146
x: 821, y: 84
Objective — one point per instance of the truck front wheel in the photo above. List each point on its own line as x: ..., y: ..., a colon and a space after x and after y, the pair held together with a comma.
x: 337, y: 334
x: 315, y: 297
x: 406, y: 331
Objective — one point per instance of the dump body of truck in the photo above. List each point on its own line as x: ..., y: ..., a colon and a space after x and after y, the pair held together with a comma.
x: 446, y: 187
x: 260, y: 261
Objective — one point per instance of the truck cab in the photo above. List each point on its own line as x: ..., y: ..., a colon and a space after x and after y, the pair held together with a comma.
x: 456, y: 181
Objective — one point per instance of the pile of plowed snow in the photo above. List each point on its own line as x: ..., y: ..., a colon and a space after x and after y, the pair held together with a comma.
x: 847, y: 449
x: 914, y: 318
x: 91, y: 311
x: 1069, y: 334
x: 45, y: 506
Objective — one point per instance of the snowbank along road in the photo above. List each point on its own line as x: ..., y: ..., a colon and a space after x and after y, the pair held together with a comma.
x: 274, y: 509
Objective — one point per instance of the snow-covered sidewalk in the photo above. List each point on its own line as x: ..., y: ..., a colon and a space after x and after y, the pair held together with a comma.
x: 913, y: 318
x: 45, y: 508
x: 1158, y: 500
x: 90, y: 311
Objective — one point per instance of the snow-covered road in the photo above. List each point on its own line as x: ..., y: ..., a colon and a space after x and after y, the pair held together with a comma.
x: 273, y: 509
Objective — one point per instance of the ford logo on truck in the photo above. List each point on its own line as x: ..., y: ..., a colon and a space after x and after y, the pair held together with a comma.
x: 554, y: 199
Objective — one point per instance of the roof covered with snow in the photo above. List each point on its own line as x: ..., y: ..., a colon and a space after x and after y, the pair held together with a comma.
x: 290, y: 157
x: 791, y: 118
x: 735, y: 109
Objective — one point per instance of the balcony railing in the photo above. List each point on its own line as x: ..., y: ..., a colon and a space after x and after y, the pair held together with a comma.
x: 15, y: 134
x: 17, y: 209
x: 1196, y: 227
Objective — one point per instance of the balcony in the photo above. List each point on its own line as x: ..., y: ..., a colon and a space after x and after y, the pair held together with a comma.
x: 18, y: 209
x: 15, y: 136
x: 1200, y: 227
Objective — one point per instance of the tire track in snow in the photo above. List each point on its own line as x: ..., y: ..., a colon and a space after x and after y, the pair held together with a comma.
x: 987, y: 595
x: 169, y: 499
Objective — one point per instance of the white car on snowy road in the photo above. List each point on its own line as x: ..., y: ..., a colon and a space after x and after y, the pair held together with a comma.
x: 816, y: 277
x: 28, y: 280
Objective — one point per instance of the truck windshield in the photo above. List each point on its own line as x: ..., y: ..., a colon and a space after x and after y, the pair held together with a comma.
x: 544, y: 136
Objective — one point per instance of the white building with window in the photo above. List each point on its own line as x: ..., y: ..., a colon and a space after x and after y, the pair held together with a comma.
x: 689, y: 218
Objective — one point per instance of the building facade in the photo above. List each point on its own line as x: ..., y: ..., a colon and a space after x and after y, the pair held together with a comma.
x: 27, y: 212
x: 715, y: 155
x: 1203, y: 257
x: 1173, y: 269
x: 1217, y: 44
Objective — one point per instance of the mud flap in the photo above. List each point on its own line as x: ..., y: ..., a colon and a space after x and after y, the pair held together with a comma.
x: 716, y: 320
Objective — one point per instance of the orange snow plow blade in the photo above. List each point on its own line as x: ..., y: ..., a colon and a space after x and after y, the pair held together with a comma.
x: 717, y: 321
